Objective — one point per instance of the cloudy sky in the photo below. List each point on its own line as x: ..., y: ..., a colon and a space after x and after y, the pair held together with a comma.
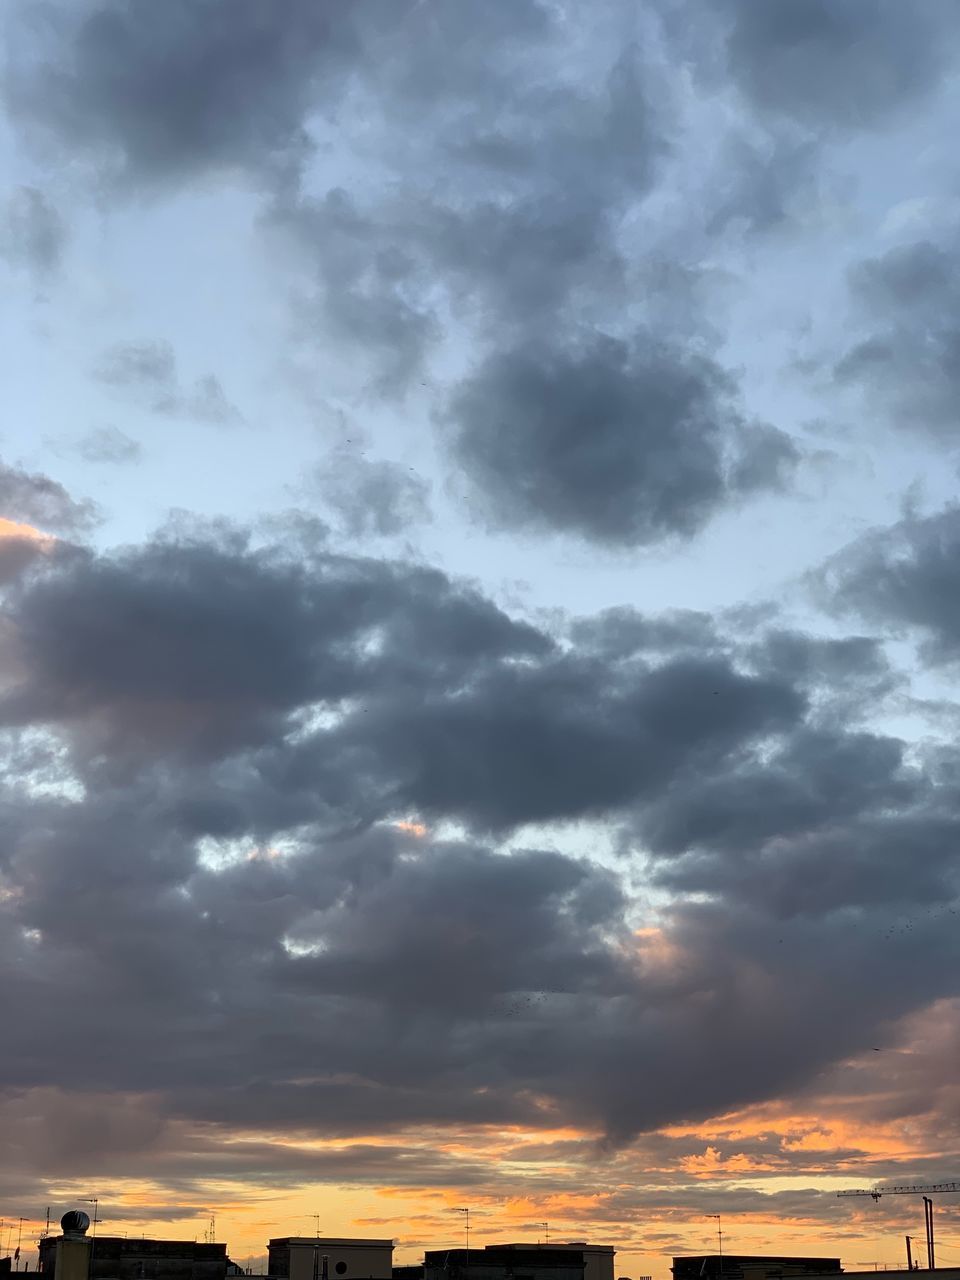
x: 480, y: 570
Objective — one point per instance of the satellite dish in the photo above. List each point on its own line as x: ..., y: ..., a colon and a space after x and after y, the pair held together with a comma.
x: 75, y: 1222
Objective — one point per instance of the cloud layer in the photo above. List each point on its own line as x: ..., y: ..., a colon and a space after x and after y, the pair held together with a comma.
x: 422, y: 809
x: 225, y: 754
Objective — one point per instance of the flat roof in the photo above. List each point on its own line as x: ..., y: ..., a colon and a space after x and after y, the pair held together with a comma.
x: 557, y: 1244
x: 734, y: 1258
x: 340, y: 1242
x: 948, y: 1271
x: 544, y: 1257
x: 134, y: 1244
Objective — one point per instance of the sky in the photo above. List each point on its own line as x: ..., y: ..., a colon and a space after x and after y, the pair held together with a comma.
x: 479, y: 554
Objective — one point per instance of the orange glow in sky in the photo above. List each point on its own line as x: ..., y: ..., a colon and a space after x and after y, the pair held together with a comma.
x: 412, y: 828
x: 15, y: 530
x: 771, y: 1171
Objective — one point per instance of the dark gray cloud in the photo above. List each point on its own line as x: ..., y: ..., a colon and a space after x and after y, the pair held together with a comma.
x: 148, y: 372
x: 434, y: 984
x: 543, y: 179
x: 824, y: 817
x: 108, y: 445
x: 194, y: 725
x: 836, y: 62
x: 908, y: 365
x: 829, y: 820
x: 159, y: 93
x: 17, y: 554
x: 621, y: 443
x: 435, y: 700
x: 567, y: 738
x: 847, y: 865
x: 374, y: 497
x: 199, y: 646
x: 905, y: 577
x: 35, y: 499
x: 621, y: 632
x: 368, y: 288
x: 519, y: 216
x: 32, y: 233
x: 807, y: 73
x: 764, y: 459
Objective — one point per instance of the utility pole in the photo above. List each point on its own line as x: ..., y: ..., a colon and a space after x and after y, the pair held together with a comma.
x: 909, y: 1240
x: 546, y: 1231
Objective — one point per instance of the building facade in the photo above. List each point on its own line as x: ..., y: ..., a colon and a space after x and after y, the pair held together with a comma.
x: 120, y: 1258
x: 521, y: 1262
x: 713, y: 1266
x: 302, y: 1258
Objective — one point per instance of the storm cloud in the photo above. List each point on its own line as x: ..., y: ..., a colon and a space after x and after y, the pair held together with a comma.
x: 226, y: 834
x: 623, y: 443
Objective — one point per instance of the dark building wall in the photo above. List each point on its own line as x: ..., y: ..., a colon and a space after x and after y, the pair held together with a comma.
x: 278, y: 1260
x: 711, y: 1266
x: 503, y: 1264
x: 117, y: 1258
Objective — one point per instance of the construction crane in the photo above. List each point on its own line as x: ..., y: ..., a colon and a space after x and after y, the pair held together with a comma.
x: 932, y: 1189
x: 935, y: 1188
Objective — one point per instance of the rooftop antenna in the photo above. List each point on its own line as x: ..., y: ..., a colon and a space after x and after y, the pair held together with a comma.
x: 719, y: 1237
x: 466, y: 1214
x: 316, y: 1247
x: 95, y: 1201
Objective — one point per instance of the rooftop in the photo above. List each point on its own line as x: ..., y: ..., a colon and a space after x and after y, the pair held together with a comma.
x: 339, y: 1242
